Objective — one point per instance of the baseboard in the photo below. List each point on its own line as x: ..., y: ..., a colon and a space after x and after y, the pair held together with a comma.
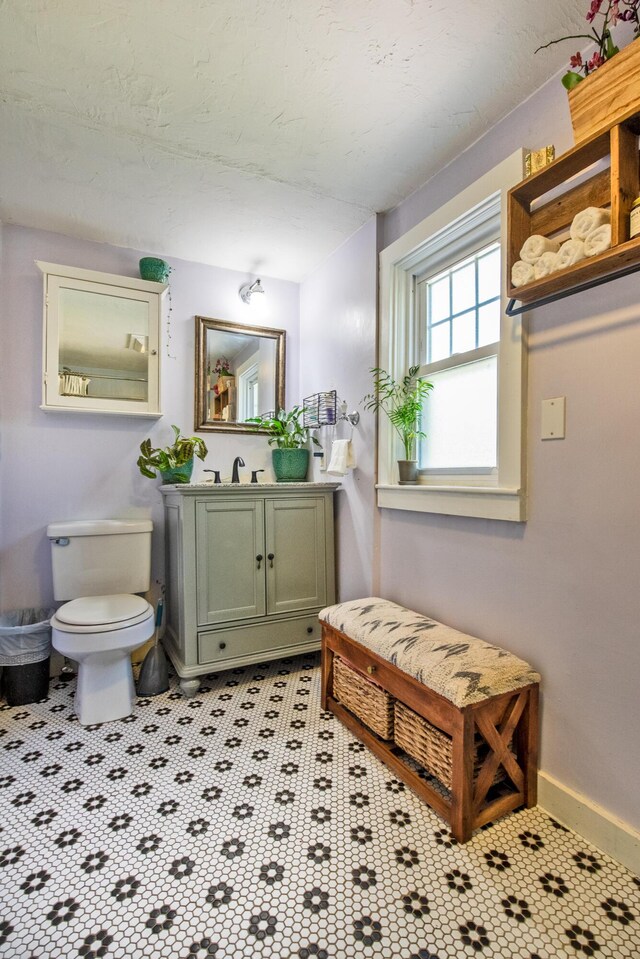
x: 612, y: 836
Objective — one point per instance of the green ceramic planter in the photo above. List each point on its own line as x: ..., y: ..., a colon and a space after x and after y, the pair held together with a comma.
x: 181, y: 474
x: 290, y: 466
x: 154, y: 269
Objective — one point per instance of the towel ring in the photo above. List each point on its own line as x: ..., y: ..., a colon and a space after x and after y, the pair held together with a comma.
x: 351, y: 418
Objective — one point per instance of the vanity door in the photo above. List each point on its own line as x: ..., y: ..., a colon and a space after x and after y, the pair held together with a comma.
x: 296, y: 553
x: 230, y: 560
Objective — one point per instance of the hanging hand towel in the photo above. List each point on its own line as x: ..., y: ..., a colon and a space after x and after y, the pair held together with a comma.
x: 521, y: 273
x: 588, y: 220
x: 547, y: 264
x: 73, y: 384
x: 570, y: 252
x: 342, y: 457
x: 536, y: 246
x: 598, y: 240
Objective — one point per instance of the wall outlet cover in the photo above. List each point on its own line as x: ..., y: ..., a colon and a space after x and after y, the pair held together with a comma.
x: 552, y: 420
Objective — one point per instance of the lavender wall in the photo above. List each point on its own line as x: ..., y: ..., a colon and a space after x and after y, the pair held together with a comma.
x: 337, y: 348
x: 562, y: 589
x: 59, y: 466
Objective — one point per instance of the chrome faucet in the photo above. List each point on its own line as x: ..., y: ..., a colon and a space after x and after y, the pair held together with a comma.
x: 238, y: 461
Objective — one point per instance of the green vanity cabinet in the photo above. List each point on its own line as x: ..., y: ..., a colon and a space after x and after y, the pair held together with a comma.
x: 248, y: 569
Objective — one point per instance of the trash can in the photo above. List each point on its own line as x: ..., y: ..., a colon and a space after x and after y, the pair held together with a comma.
x: 25, y: 650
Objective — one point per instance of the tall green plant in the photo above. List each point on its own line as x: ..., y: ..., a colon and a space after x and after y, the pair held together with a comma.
x: 286, y: 430
x: 402, y: 402
x: 153, y: 461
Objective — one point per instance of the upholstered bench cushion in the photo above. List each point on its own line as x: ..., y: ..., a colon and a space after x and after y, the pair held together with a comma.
x: 463, y: 669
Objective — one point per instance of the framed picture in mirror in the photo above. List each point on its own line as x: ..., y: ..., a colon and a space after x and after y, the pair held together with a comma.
x: 239, y: 374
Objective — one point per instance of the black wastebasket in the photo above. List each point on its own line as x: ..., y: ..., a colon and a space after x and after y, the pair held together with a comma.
x: 25, y: 651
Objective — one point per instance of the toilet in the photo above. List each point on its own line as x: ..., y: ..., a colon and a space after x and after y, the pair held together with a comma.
x: 99, y: 566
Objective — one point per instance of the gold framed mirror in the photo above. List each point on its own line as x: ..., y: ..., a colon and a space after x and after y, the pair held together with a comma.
x: 239, y: 374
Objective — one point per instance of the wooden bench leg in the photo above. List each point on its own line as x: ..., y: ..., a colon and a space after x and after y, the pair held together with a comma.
x: 527, y: 748
x: 462, y: 776
x: 327, y: 670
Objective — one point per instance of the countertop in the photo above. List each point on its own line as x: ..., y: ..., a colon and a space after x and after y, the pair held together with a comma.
x: 244, y: 487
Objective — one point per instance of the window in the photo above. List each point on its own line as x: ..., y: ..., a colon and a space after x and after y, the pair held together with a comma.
x: 461, y: 418
x: 248, y: 377
x: 442, y: 308
x: 463, y: 306
x: 459, y: 327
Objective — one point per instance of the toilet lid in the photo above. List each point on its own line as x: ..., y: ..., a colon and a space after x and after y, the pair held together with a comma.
x: 101, y: 610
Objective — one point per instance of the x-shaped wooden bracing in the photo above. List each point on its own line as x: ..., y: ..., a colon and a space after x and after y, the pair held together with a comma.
x: 498, y: 737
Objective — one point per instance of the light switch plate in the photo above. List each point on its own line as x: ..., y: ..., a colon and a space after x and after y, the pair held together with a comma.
x: 552, y: 421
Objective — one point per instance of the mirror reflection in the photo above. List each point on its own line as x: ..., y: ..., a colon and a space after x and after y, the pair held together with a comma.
x: 104, y: 346
x: 239, y: 374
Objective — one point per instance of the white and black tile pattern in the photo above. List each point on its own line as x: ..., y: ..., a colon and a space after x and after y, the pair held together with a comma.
x: 248, y: 823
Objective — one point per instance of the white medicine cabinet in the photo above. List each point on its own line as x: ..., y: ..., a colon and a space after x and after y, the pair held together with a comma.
x: 101, y: 342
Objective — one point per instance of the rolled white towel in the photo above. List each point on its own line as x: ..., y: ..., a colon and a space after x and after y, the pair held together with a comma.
x: 598, y: 240
x: 521, y: 273
x: 587, y: 221
x: 547, y: 264
x: 535, y: 246
x: 569, y: 253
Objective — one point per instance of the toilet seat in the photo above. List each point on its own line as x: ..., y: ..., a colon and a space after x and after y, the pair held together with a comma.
x: 100, y: 614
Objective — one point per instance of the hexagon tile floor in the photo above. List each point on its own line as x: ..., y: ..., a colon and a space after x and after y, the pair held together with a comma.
x: 248, y: 823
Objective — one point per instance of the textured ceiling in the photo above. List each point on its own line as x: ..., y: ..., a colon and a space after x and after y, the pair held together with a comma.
x: 253, y: 134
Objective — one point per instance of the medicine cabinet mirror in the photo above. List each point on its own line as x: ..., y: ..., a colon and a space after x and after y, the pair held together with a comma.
x: 239, y: 374
x: 101, y: 342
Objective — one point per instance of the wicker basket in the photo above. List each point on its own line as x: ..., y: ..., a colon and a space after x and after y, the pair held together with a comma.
x: 371, y: 704
x: 431, y: 747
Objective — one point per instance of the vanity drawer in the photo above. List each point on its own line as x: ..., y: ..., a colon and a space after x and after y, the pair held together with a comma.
x: 218, y: 645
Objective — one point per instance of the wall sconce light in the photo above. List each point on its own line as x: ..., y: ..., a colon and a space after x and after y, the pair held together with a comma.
x: 247, y: 291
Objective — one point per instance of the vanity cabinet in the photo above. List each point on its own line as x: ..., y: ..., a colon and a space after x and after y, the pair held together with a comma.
x: 248, y: 569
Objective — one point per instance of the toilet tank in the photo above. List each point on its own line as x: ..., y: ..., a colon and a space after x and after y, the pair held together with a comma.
x: 98, y: 557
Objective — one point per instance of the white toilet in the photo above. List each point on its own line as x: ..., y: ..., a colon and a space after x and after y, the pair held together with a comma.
x: 99, y: 565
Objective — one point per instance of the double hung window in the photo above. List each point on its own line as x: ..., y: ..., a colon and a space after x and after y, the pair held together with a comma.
x: 459, y: 335
x: 442, y: 309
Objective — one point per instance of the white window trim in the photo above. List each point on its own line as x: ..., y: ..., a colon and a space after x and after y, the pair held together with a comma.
x: 504, y: 497
x: 243, y: 374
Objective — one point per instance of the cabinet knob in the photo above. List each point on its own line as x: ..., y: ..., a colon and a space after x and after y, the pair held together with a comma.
x: 371, y: 670
x: 270, y: 557
x: 223, y: 645
x: 259, y: 559
x: 309, y: 629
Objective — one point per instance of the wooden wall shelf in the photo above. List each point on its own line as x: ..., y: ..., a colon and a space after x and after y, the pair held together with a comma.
x: 529, y: 212
x: 222, y: 400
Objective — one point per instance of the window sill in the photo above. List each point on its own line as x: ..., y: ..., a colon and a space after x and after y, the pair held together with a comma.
x: 485, y: 502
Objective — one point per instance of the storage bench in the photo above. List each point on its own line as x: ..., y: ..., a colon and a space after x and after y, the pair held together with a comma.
x: 464, y: 710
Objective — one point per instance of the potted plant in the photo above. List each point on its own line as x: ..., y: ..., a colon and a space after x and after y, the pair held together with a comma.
x: 601, y: 94
x: 175, y: 462
x: 223, y: 374
x: 402, y: 402
x: 288, y: 434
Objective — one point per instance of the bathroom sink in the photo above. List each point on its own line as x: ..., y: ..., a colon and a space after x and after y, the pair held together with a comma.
x: 249, y: 486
